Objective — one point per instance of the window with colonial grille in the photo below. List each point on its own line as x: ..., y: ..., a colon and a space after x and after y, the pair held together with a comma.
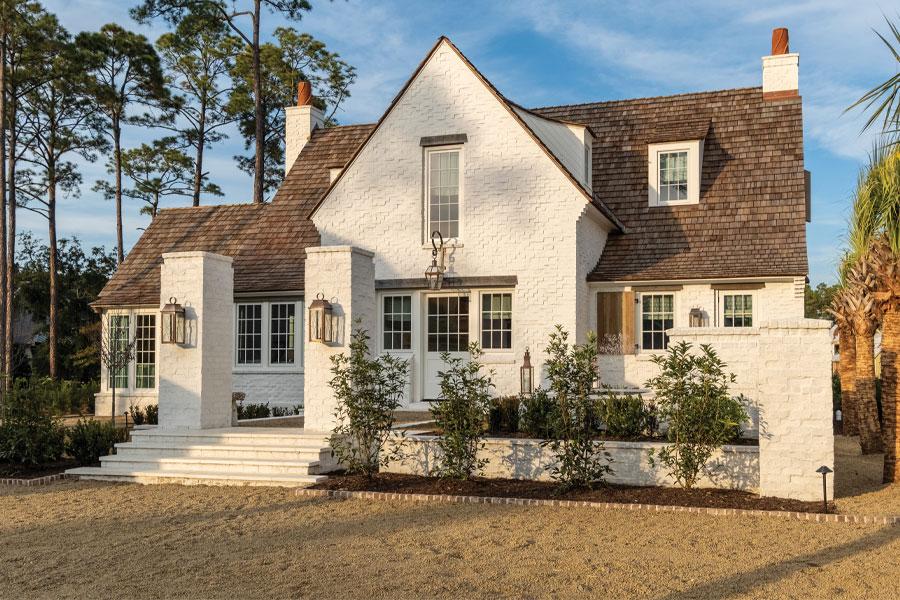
x: 673, y: 176
x: 249, y: 334
x: 443, y: 192
x: 145, y: 351
x: 737, y: 310
x: 282, y: 332
x: 119, y: 326
x: 657, y: 316
x: 448, y: 323
x: 397, y: 319
x: 496, y: 321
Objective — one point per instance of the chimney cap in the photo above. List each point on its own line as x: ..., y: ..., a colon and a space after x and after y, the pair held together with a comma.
x: 304, y: 93
x: 780, y: 41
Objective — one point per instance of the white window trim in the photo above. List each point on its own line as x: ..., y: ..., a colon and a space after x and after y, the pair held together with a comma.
x: 694, y: 148
x: 639, y: 319
x: 266, y: 365
x: 753, y: 310
x: 497, y: 351
x: 131, y: 389
x: 426, y: 204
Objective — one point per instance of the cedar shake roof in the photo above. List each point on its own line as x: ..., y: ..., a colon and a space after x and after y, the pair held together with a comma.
x: 266, y: 241
x: 751, y: 219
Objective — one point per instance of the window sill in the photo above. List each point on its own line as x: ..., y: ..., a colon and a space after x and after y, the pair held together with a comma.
x: 265, y: 370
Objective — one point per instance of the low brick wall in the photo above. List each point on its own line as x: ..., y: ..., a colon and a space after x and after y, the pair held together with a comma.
x: 734, y: 467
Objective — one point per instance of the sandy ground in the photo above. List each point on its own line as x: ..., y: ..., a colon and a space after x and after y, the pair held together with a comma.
x: 858, y: 488
x: 93, y: 540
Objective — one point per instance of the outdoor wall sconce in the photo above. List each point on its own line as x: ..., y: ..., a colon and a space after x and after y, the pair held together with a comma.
x: 526, y: 374
x: 434, y: 274
x: 695, y: 318
x: 320, y: 319
x: 172, y: 322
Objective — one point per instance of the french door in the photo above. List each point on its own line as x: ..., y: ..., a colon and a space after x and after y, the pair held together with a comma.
x: 446, y: 330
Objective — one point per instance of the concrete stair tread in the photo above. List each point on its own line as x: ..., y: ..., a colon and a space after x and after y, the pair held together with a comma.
x: 155, y: 445
x: 208, y: 460
x: 200, y: 477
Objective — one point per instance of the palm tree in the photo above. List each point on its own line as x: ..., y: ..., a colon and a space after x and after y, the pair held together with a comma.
x: 883, y: 101
x: 843, y: 317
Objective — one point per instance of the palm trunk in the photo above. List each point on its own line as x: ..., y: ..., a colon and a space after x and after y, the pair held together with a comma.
x: 869, y: 428
x: 54, y: 283
x: 259, y: 165
x: 890, y: 347
x: 847, y: 372
x: 117, y: 154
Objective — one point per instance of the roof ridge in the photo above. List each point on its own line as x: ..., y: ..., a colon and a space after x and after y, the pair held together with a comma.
x: 652, y: 98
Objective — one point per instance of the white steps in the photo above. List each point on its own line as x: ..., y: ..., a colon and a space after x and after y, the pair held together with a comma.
x: 285, y: 457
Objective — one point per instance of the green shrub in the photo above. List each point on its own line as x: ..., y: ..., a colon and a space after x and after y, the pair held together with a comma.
x: 137, y: 415
x: 368, y: 391
x: 540, y: 415
x: 692, y: 398
x: 460, y: 414
x: 504, y: 415
x: 253, y: 411
x: 91, y: 439
x: 62, y: 397
x: 29, y: 433
x: 286, y: 411
x: 151, y: 413
x: 581, y: 460
x: 624, y: 415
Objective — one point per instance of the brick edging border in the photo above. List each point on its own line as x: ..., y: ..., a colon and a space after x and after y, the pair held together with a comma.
x: 36, y: 481
x: 446, y: 499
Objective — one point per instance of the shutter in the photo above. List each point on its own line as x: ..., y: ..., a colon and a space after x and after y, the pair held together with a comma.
x: 615, y: 322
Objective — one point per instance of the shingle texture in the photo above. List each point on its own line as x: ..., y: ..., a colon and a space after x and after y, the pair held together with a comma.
x: 266, y: 241
x: 750, y: 221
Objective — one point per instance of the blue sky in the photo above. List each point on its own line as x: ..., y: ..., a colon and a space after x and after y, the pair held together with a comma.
x: 542, y: 53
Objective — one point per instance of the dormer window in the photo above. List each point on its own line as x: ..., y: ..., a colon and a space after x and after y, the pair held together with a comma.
x: 442, y: 185
x: 674, y: 173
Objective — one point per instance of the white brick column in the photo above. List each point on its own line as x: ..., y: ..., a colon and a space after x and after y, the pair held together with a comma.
x: 346, y: 277
x: 796, y: 435
x: 195, y: 378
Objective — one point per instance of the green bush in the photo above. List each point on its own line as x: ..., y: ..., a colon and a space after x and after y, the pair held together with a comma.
x: 460, y: 414
x: 624, y: 415
x: 253, y: 411
x: 286, y: 411
x: 137, y: 415
x: 151, y: 412
x: 91, y: 439
x: 504, y: 415
x: 540, y: 415
x: 62, y: 397
x: 692, y: 398
x: 29, y: 433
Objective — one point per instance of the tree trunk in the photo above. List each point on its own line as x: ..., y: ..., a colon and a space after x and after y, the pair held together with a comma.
x: 117, y: 155
x: 198, y: 163
x: 54, y: 299
x: 869, y: 428
x: 890, y: 347
x: 2, y: 191
x: 847, y: 372
x: 259, y: 165
x: 10, y: 248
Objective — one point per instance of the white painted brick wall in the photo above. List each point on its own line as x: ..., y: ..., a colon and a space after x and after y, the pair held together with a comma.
x: 299, y: 123
x: 784, y: 367
x: 276, y: 389
x: 520, y: 212
x: 195, y: 378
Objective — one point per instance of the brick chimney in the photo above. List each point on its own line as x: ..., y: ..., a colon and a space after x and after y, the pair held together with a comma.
x: 781, y: 70
x: 299, y: 123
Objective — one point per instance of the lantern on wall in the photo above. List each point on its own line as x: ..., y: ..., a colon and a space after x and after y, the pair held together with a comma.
x: 695, y: 318
x: 526, y: 374
x: 434, y: 274
x: 172, y: 322
x: 320, y: 320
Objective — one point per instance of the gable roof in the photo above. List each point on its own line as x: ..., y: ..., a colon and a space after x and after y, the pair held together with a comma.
x: 266, y: 241
x: 751, y: 219
x: 510, y: 107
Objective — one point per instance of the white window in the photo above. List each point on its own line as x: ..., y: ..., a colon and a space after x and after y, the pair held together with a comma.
x: 496, y: 321
x: 674, y: 173
x: 443, y: 192
x: 249, y: 334
x: 657, y: 316
x: 737, y: 310
x: 282, y: 333
x: 145, y: 352
x: 397, y: 322
x: 119, y: 330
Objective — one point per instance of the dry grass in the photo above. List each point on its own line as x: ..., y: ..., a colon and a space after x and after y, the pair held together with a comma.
x: 103, y: 540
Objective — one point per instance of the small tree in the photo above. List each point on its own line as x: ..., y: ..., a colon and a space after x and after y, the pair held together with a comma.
x: 692, y: 398
x: 368, y: 391
x: 116, y: 351
x: 581, y: 459
x: 461, y: 413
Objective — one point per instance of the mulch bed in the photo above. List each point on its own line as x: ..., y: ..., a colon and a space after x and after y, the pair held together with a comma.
x: 10, y: 471
x: 544, y: 490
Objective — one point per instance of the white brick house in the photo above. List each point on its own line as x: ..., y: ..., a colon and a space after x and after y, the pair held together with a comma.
x: 624, y: 217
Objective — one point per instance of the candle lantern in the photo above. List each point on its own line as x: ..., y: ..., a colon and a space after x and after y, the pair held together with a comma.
x: 172, y: 322
x: 526, y: 375
x: 320, y: 320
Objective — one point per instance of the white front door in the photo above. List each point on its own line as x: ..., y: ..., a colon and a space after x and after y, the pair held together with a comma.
x: 446, y: 330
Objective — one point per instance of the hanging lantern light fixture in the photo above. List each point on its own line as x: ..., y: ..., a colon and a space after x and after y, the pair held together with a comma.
x: 320, y: 320
x: 526, y: 374
x: 172, y: 322
x: 434, y: 274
